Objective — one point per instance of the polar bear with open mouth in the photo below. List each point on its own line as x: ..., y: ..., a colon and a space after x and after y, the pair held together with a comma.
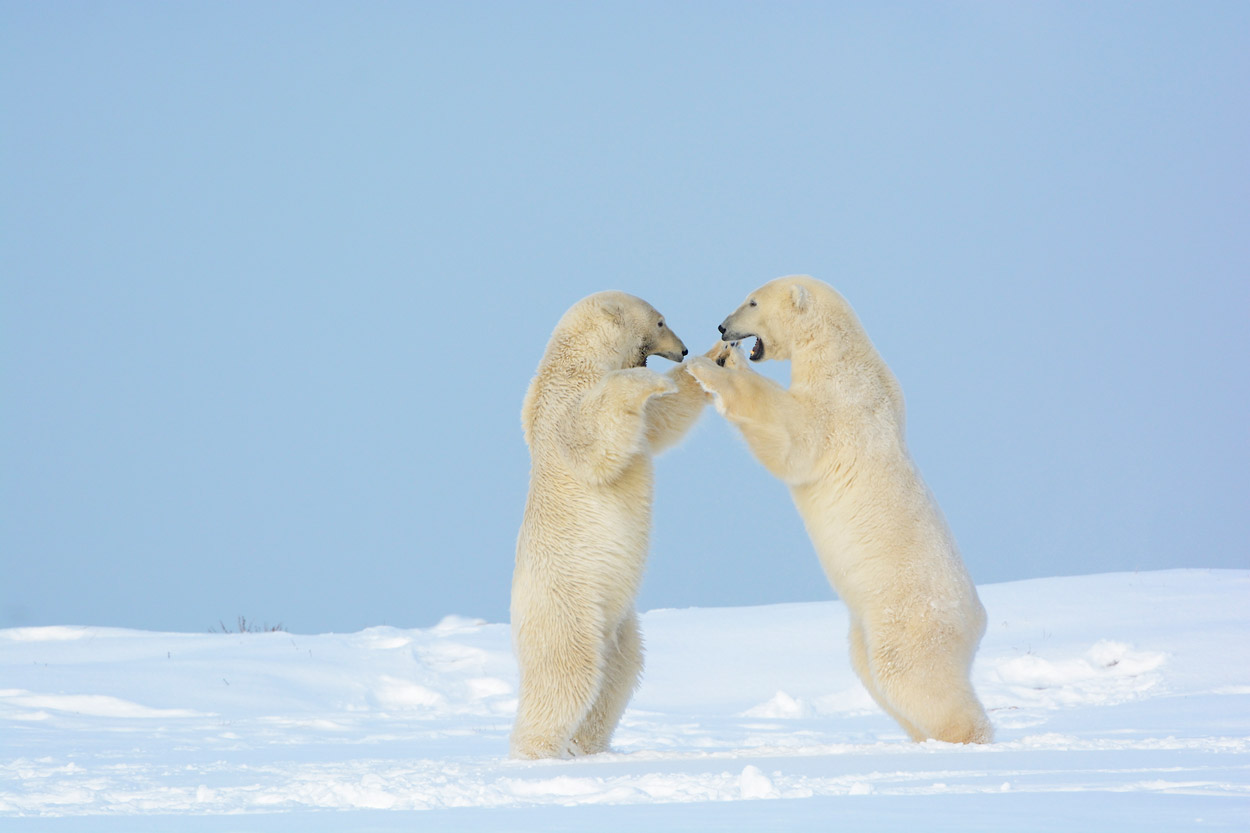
x: 836, y: 439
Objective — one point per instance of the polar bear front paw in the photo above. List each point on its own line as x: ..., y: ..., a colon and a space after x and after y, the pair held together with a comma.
x: 728, y: 355
x: 705, y: 371
x: 712, y: 378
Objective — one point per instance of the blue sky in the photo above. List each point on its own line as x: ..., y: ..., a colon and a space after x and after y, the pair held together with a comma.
x: 274, y: 277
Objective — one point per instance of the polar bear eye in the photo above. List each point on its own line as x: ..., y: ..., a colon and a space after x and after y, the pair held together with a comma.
x: 752, y: 302
x: 661, y: 325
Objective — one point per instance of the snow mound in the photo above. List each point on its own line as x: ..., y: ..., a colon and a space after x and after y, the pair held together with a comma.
x: 782, y: 705
x: 1108, y: 672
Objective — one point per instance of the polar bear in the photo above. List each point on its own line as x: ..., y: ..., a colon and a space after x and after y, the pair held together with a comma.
x: 593, y: 416
x: 835, y: 438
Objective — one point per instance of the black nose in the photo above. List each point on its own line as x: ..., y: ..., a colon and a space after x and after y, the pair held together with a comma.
x: 685, y: 352
x: 721, y: 327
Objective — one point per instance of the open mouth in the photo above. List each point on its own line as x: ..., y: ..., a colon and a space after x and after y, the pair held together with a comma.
x: 757, y: 350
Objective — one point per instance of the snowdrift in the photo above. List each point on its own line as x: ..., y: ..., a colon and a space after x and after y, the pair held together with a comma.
x: 1121, y: 702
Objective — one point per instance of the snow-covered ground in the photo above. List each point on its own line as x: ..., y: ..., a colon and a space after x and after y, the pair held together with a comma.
x: 1121, y: 702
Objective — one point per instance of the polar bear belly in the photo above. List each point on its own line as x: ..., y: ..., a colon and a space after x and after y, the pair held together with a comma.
x: 594, y: 538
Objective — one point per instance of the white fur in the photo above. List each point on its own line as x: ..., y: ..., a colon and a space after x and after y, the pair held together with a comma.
x: 835, y: 437
x: 592, y: 419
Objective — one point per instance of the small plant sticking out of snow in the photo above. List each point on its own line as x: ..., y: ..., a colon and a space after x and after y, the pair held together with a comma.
x: 245, y: 626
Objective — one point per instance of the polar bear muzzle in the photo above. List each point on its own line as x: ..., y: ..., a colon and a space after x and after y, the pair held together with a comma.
x: 729, y: 334
x: 665, y: 344
x: 648, y: 350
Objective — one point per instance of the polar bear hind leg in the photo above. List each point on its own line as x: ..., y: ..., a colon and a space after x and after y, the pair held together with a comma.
x: 929, y: 692
x: 859, y: 661
x: 560, y: 680
x: 622, y: 669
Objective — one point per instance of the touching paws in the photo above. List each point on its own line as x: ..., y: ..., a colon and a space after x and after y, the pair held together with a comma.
x: 712, y: 377
x: 705, y: 371
x: 713, y: 367
x: 728, y: 354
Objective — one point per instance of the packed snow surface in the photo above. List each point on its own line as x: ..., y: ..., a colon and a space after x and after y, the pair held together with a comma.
x: 1121, y: 702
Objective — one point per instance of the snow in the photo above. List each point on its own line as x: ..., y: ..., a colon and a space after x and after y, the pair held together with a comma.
x: 1120, y: 701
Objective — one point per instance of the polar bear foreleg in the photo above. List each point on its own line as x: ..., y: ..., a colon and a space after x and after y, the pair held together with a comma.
x: 774, y: 424
x: 622, y: 668
x: 607, y: 428
x: 669, y: 418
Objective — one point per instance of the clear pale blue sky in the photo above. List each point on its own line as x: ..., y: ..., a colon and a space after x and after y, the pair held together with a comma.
x: 274, y: 277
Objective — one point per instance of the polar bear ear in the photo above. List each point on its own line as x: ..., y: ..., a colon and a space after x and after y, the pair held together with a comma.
x: 800, y: 297
x: 614, y: 312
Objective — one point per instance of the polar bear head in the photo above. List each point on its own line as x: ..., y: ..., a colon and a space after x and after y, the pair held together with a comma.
x: 785, y: 314
x: 621, y: 330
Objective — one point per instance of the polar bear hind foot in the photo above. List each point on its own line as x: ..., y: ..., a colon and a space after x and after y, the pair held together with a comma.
x: 953, y: 717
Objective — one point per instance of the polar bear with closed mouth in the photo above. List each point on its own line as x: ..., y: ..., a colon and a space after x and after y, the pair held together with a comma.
x: 593, y: 415
x: 836, y: 439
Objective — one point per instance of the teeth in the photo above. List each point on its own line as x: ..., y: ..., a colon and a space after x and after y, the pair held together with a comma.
x: 757, y: 351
